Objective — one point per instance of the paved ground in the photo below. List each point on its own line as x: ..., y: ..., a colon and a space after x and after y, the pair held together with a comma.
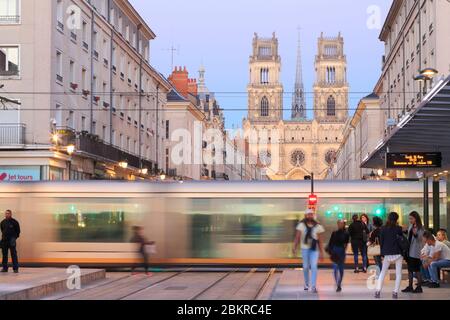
x: 290, y: 287
x: 230, y: 284
x: 35, y: 283
x: 194, y: 284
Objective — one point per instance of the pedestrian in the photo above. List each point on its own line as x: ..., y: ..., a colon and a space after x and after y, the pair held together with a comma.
x: 391, y: 249
x: 139, y: 238
x: 356, y: 231
x: 309, y: 237
x: 337, y: 248
x: 10, y: 228
x: 415, y: 239
x: 374, y: 240
x: 439, y: 258
x: 367, y: 228
x: 442, y: 237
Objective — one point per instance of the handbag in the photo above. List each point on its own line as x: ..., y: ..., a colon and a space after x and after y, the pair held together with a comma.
x: 150, y: 249
x: 374, y: 250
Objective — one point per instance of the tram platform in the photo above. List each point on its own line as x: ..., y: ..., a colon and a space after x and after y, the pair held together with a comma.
x: 37, y: 283
x: 355, y: 287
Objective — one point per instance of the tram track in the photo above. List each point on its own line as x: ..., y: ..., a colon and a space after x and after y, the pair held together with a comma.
x: 214, y: 284
x: 154, y: 284
x: 265, y: 283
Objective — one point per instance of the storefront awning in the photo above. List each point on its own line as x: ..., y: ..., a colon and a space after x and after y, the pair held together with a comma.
x: 425, y: 129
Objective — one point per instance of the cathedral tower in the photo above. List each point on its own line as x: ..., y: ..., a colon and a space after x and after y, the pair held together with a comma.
x: 265, y: 92
x: 331, y: 87
x: 298, y: 99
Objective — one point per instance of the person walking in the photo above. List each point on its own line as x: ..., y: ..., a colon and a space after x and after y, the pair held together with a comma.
x: 391, y: 249
x: 139, y: 238
x: 374, y: 239
x: 10, y: 229
x: 415, y: 239
x: 308, y: 235
x: 337, y: 248
x: 356, y: 232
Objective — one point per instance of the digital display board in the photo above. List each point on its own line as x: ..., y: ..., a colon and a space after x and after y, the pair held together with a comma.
x: 413, y: 160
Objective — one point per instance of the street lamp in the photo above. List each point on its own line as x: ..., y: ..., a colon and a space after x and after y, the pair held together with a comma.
x: 143, y: 171
x: 123, y: 164
x: 429, y: 72
x: 380, y: 172
x: 426, y: 75
x: 70, y: 149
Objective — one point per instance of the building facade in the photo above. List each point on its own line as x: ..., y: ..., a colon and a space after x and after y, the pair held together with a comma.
x: 89, y: 101
x: 416, y: 37
x: 197, y: 146
x: 362, y: 134
x: 293, y: 149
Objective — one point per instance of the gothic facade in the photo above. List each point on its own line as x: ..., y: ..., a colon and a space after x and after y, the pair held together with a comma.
x: 295, y: 148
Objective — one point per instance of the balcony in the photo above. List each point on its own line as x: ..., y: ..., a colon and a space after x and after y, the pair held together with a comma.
x: 9, y: 19
x: 12, y: 134
x: 91, y: 145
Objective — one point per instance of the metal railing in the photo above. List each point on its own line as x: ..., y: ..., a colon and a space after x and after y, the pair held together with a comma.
x: 12, y: 134
x: 9, y: 19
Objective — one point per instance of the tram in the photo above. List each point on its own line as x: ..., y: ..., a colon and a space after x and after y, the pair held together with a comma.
x: 193, y: 223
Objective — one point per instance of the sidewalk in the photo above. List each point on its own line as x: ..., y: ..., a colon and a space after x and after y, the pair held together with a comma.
x: 35, y: 283
x: 290, y: 287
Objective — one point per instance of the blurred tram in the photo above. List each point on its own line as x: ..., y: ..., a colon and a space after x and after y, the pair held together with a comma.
x: 193, y: 223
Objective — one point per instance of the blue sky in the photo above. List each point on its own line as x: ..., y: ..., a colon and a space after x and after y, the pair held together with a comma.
x: 219, y: 35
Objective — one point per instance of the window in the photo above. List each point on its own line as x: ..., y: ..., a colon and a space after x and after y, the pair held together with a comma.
x: 58, y: 115
x: 167, y: 129
x: 72, y: 71
x: 60, y: 14
x: 264, y: 107
x: 59, y: 66
x: 70, y: 120
x: 104, y: 133
x: 83, y: 123
x: 9, y: 11
x: 264, y: 76
x: 83, y: 79
x: 9, y: 61
x: 331, y: 106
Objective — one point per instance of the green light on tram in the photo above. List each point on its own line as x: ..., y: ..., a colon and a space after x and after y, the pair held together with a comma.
x: 340, y: 215
x: 336, y: 208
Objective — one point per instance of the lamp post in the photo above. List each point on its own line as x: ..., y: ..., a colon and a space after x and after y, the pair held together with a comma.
x: 424, y: 76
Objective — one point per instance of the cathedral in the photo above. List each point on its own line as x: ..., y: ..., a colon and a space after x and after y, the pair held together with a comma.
x: 294, y: 149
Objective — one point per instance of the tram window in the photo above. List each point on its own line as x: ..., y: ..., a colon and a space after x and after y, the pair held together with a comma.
x: 91, y: 227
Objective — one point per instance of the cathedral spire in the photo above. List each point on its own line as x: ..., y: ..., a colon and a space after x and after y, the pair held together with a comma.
x: 298, y: 99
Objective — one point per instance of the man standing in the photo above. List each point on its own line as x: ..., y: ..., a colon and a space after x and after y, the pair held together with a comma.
x: 356, y: 231
x: 10, y: 233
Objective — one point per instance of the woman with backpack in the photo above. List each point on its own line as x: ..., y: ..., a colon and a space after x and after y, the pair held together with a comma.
x: 416, y: 244
x: 309, y: 237
x: 392, y: 247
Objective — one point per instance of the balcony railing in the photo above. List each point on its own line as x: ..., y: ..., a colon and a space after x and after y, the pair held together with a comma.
x: 93, y: 146
x: 9, y: 19
x: 12, y: 134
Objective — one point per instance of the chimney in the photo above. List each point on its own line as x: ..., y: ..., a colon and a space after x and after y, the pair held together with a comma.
x: 193, y: 87
x: 179, y: 79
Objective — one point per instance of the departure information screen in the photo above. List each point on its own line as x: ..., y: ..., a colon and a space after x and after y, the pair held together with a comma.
x: 413, y: 160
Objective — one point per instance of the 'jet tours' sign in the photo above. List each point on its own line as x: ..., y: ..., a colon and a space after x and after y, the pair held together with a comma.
x: 413, y: 160
x: 19, y: 174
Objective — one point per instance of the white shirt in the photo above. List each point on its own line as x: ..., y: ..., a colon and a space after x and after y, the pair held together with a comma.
x: 317, y: 229
x: 442, y: 248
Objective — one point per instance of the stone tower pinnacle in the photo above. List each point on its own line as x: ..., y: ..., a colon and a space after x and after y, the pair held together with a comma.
x: 298, y: 98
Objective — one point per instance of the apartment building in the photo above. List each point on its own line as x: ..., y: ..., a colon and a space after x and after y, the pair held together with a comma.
x: 362, y: 133
x: 80, y: 97
x: 416, y: 37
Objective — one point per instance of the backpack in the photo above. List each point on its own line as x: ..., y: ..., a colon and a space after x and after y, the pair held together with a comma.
x: 403, y: 245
